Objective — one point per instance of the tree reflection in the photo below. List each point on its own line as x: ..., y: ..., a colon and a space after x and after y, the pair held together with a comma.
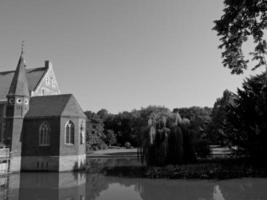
x: 245, y: 189
x: 217, y: 193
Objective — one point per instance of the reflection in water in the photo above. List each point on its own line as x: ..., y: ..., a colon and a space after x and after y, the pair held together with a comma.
x: 217, y: 194
x: 42, y: 186
x: 79, y: 186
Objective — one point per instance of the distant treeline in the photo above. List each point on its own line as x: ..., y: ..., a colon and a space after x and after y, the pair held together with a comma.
x: 126, y: 128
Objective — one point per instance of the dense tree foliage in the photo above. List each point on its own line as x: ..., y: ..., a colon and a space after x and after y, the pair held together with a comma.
x: 200, y: 119
x: 167, y: 140
x: 103, y: 114
x: 242, y: 19
x: 122, y: 126
x: 110, y: 138
x: 219, y: 127
x: 94, y: 132
x: 248, y: 118
x: 129, y: 126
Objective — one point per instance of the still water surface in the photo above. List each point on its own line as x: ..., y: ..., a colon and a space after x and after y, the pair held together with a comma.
x: 80, y: 186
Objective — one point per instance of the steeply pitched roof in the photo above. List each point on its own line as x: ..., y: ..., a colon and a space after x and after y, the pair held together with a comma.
x: 34, y: 76
x: 54, y: 106
x: 19, y: 84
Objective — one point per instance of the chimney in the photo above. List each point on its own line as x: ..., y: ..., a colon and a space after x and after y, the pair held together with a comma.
x: 48, y: 64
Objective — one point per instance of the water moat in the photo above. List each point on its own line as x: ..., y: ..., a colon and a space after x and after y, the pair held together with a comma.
x: 82, y: 186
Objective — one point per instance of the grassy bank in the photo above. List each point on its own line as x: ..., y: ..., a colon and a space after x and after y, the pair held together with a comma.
x: 211, y: 169
x: 113, y: 152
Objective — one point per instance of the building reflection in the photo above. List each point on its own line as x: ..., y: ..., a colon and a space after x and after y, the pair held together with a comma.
x: 79, y: 186
x: 10, y: 187
x: 47, y: 186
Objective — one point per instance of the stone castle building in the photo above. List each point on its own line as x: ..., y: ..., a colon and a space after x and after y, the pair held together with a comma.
x: 45, y: 130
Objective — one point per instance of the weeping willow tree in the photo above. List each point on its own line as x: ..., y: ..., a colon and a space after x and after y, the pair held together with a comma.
x: 167, y: 140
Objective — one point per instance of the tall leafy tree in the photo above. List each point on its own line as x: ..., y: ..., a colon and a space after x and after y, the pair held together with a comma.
x: 200, y: 118
x: 94, y: 132
x: 219, y: 125
x: 248, y: 117
x: 242, y: 19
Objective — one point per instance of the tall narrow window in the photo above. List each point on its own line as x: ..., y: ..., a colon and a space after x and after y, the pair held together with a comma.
x: 69, y: 133
x: 47, y: 81
x: 82, y: 132
x: 44, y: 134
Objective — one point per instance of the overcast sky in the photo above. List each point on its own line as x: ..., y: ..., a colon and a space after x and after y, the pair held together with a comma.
x: 121, y: 54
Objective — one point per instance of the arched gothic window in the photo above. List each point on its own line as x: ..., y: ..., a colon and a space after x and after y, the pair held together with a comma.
x: 69, y: 132
x: 44, y: 134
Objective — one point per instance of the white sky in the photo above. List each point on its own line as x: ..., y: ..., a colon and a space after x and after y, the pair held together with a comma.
x: 121, y: 54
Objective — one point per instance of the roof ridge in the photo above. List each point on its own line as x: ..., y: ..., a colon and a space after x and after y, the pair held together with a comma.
x: 27, y: 69
x: 52, y: 95
x: 66, y: 103
x: 34, y: 68
x: 6, y: 72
